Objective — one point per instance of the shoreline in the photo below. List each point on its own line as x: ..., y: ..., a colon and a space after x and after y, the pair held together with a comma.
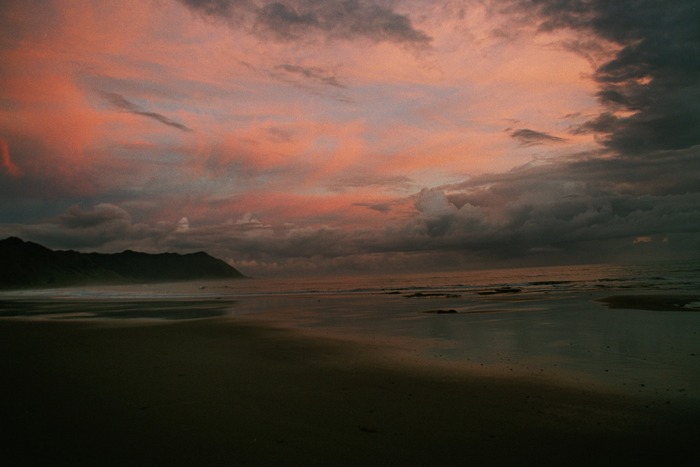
x: 234, y: 391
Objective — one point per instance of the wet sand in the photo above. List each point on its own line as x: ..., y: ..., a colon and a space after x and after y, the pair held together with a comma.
x: 235, y: 391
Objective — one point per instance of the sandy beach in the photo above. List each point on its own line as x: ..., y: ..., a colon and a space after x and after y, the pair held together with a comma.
x: 246, y: 392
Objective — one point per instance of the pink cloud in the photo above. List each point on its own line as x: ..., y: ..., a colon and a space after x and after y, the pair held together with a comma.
x: 6, y: 160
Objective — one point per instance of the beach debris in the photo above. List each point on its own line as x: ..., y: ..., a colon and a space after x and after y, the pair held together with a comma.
x: 653, y: 302
x: 500, y: 290
x: 441, y: 312
x: 432, y: 295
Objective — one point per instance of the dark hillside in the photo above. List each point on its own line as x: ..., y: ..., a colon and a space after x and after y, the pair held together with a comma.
x: 27, y: 264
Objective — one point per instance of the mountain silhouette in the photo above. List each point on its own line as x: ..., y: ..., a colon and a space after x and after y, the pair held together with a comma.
x: 28, y: 264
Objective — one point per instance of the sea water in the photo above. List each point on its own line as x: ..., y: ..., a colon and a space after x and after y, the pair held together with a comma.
x: 546, y: 322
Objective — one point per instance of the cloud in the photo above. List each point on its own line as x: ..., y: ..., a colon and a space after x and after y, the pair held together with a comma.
x: 120, y: 102
x: 6, y: 161
x: 80, y: 228
x: 97, y: 217
x: 248, y: 220
x: 315, y: 80
x: 318, y: 75
x: 329, y: 185
x: 292, y: 20
x: 217, y: 7
x: 379, y: 207
x: 562, y: 211
x: 529, y: 137
x: 653, y: 76
x: 371, y: 180
x: 183, y: 225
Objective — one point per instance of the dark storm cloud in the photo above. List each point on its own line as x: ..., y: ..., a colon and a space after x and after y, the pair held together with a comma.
x: 297, y: 19
x: 655, y: 76
x: 103, y: 225
x: 528, y: 137
x: 318, y: 75
x: 216, y: 7
x: 379, y: 207
x: 98, y: 217
x: 531, y: 220
x: 118, y: 101
x: 589, y: 49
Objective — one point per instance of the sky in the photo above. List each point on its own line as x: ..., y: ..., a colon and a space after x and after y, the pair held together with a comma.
x: 336, y: 136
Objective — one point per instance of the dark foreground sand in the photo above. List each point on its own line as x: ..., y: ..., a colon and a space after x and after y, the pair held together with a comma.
x: 215, y: 392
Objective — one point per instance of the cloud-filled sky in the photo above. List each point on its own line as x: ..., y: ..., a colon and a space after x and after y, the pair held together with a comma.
x: 310, y: 136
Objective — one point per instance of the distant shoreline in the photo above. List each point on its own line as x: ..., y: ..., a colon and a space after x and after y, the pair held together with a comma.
x: 30, y: 265
x: 5, y: 288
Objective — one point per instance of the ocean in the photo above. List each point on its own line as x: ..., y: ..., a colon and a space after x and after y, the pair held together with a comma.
x: 547, y: 322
